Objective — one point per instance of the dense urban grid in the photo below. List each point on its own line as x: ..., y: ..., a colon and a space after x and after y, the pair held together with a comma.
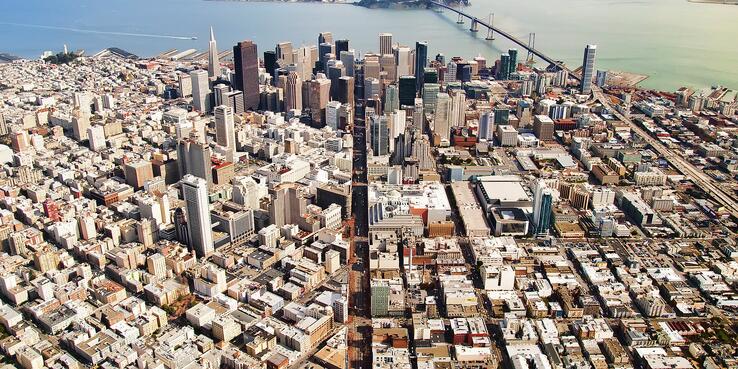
x: 313, y: 207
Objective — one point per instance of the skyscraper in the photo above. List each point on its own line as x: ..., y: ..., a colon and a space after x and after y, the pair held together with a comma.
x: 346, y: 90
x: 379, y: 135
x: 601, y: 78
x: 419, y: 115
x: 430, y: 93
x: 270, y: 64
x: 185, y: 85
x: 324, y: 52
x: 421, y: 60
x: 246, y: 65
x: 284, y: 52
x: 486, y: 126
x: 513, y: 65
x: 195, y: 193
x: 385, y: 43
x: 200, y: 90
x: 504, y: 67
x: 293, y: 92
x: 441, y: 58
x: 220, y: 92
x: 225, y: 134
x: 341, y: 45
x: 335, y: 72
x: 391, y: 99
x: 388, y: 65
x: 542, y: 207
x: 347, y: 58
x: 430, y: 75
x: 304, y: 63
x: 213, y: 62
x: 371, y: 88
x: 408, y: 90
x: 194, y: 157
x: 464, y: 72
x: 450, y: 75
x: 403, y: 61
x: 319, y: 95
x: 332, y: 114
x: 325, y: 37
x: 588, y: 65
x: 441, y: 125
x: 458, y: 109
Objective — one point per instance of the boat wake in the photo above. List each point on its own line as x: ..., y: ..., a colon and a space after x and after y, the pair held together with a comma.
x: 92, y: 31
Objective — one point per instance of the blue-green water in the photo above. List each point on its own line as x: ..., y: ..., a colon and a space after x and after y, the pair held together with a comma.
x: 673, y: 41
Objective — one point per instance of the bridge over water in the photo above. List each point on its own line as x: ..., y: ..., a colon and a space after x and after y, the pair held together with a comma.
x: 476, y: 22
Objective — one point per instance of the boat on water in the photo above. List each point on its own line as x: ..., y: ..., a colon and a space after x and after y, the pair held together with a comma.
x: 193, y: 38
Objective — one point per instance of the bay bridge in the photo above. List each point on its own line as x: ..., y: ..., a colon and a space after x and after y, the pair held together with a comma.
x: 476, y: 22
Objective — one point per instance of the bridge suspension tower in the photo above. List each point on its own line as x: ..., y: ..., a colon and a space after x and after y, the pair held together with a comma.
x: 490, y: 32
x: 529, y: 60
x: 474, y: 26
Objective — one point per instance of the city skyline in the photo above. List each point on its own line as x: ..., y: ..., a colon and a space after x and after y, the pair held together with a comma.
x: 330, y: 206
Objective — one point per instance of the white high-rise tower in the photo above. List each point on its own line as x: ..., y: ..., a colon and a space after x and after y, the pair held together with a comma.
x: 200, y: 90
x: 200, y: 231
x: 225, y: 134
x: 213, y: 62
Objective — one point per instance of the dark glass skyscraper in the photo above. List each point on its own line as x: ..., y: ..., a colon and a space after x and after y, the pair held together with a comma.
x: 504, y: 67
x: 407, y: 90
x: 502, y: 115
x: 246, y: 65
x: 270, y: 64
x: 430, y: 75
x: 324, y: 49
x: 463, y: 72
x: 346, y: 90
x: 334, y: 74
x: 421, y: 60
x: 544, y: 217
x: 513, y: 67
x: 341, y: 45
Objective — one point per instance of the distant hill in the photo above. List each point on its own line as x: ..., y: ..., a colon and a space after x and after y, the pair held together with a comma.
x: 7, y: 58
